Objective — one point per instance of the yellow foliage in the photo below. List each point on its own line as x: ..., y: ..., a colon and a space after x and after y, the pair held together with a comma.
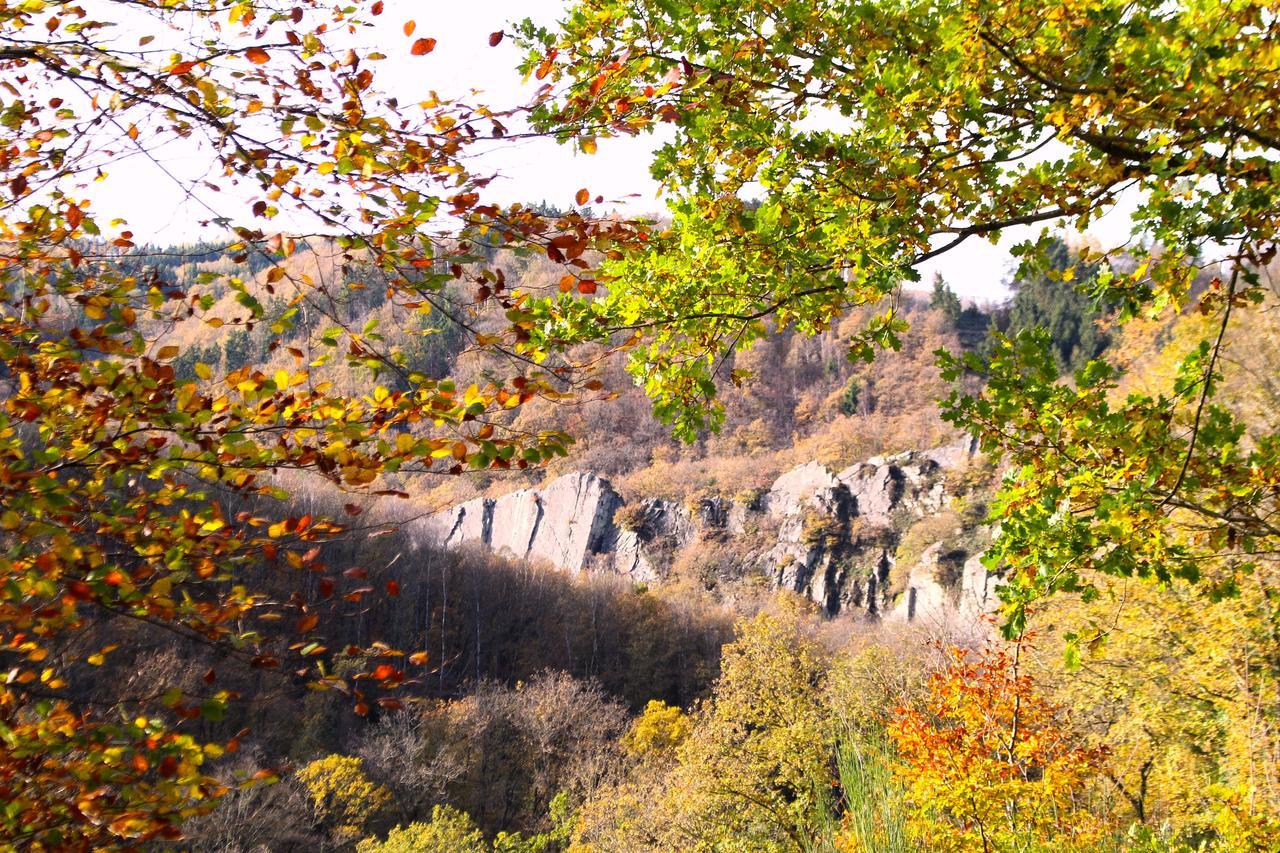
x: 342, y: 795
x: 658, y: 731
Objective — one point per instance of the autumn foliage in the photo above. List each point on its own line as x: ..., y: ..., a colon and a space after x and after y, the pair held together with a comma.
x: 117, y: 473
x: 990, y: 764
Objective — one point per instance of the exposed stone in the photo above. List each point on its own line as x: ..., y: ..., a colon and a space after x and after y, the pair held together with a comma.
x: 797, y: 487
x: 804, y: 525
x: 516, y: 520
x: 577, y: 520
x: 952, y: 455
x: 465, y: 524
x: 876, y: 489
x: 925, y: 594
x: 631, y: 558
x: 978, y: 589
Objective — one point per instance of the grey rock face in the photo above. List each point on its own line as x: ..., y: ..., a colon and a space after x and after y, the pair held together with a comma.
x: 829, y: 537
x: 809, y: 484
x: 576, y: 521
x: 465, y: 524
x: 516, y: 520
x: 563, y: 524
x: 926, y: 594
x: 632, y: 558
x: 876, y: 489
x: 978, y: 589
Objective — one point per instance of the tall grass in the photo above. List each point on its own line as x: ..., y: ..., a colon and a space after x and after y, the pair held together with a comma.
x: 869, y: 812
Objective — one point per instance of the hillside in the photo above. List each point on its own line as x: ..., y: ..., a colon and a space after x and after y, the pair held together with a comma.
x: 693, y: 508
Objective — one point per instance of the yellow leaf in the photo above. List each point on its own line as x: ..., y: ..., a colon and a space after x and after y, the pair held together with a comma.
x: 203, y: 370
x: 166, y: 353
x: 589, y: 145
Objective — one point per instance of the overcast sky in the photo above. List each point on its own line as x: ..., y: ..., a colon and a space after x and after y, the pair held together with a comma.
x: 530, y: 170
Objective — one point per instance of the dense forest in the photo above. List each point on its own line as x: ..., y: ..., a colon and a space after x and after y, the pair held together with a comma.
x: 380, y: 513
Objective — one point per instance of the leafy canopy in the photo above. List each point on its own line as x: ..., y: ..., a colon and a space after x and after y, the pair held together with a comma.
x: 120, y: 454
x: 818, y: 153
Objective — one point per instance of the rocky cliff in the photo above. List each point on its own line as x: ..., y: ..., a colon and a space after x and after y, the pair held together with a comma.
x: 834, y: 537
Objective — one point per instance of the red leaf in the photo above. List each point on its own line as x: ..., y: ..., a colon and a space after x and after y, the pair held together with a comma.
x: 495, y: 39
x: 422, y: 47
x: 393, y: 589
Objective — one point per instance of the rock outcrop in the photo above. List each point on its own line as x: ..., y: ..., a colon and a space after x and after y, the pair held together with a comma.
x: 564, y: 524
x: 831, y: 537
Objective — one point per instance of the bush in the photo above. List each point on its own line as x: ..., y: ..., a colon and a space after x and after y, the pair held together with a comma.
x: 658, y: 731
x: 345, y: 800
x: 450, y: 831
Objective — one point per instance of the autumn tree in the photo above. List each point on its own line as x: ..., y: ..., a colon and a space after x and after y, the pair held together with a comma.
x: 754, y: 771
x: 818, y: 154
x: 140, y: 498
x: 989, y: 764
x: 877, y: 136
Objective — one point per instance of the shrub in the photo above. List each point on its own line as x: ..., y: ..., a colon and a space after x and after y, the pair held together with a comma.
x: 449, y: 831
x: 658, y: 731
x: 344, y: 798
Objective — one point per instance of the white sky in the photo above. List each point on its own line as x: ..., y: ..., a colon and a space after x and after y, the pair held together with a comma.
x: 531, y: 170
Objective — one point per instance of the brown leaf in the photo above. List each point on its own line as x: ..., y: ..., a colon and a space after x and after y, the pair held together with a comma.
x: 495, y: 39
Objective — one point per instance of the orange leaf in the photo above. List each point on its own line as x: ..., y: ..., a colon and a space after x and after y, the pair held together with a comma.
x: 582, y: 197
x: 306, y: 623
x: 257, y: 55
x: 589, y: 145
x: 409, y: 27
x: 422, y: 47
